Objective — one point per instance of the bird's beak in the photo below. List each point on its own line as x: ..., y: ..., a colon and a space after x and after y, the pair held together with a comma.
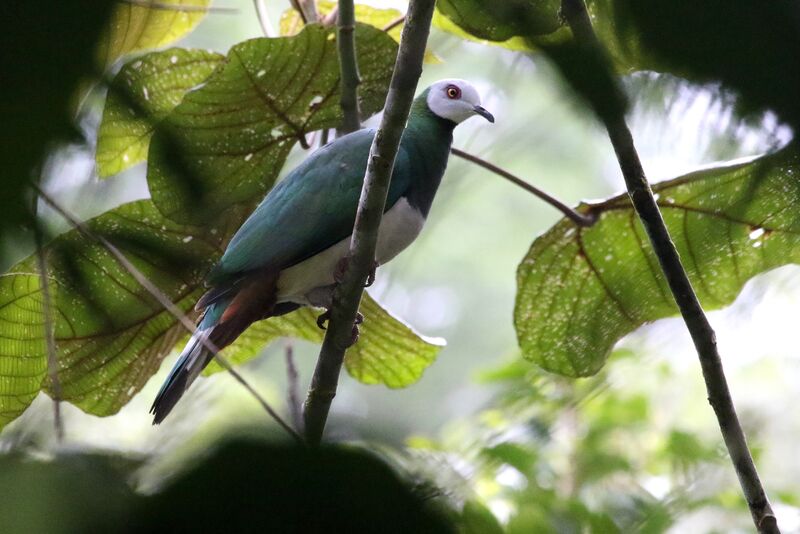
x: 480, y: 110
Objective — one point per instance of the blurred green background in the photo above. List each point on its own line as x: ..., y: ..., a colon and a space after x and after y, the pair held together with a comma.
x: 645, y: 418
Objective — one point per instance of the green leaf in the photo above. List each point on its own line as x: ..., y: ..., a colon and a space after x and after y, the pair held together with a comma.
x: 579, y: 290
x: 135, y: 26
x: 291, y: 23
x: 388, y: 352
x: 226, y: 142
x: 23, y: 357
x: 502, y: 20
x: 144, y: 91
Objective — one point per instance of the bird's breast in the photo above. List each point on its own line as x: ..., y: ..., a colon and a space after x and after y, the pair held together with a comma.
x: 400, y: 225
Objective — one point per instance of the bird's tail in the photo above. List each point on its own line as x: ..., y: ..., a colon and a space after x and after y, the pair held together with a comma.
x: 194, y: 358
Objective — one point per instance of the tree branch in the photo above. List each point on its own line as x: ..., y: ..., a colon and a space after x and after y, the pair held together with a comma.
x: 574, y: 11
x: 383, y: 151
x: 292, y: 390
x: 165, y: 302
x: 263, y: 18
x: 49, y: 329
x: 394, y: 24
x: 307, y: 10
x: 348, y: 67
x: 578, y: 218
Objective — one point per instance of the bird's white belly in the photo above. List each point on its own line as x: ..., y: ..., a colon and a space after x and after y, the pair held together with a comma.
x: 399, y: 227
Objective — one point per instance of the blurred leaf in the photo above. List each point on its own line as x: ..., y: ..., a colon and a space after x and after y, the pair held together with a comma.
x: 59, y: 39
x: 750, y: 46
x: 137, y: 26
x: 72, y: 493
x: 23, y: 356
x: 582, y: 289
x: 226, y: 142
x: 477, y: 519
x: 504, y: 19
x: 388, y: 351
x: 518, y: 456
x: 302, y: 490
x: 144, y: 91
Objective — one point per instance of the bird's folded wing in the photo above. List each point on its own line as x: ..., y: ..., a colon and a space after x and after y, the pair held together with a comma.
x: 312, y: 209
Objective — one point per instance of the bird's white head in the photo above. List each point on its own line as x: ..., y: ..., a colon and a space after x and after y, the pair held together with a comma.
x: 456, y: 100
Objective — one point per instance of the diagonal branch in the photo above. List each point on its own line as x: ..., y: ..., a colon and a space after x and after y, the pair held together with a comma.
x: 719, y: 396
x: 383, y: 151
x: 263, y: 18
x: 348, y: 67
x: 165, y: 302
x: 49, y: 330
x: 575, y: 216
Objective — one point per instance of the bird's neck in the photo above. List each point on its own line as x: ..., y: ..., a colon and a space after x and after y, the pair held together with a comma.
x: 427, y: 139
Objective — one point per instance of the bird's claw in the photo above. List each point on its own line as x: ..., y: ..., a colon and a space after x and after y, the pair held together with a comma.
x: 323, y: 318
x: 355, y: 333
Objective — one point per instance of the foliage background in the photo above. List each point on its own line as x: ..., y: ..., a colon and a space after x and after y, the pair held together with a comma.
x: 494, y: 432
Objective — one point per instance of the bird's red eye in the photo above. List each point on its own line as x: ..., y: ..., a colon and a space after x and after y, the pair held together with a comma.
x: 453, y: 92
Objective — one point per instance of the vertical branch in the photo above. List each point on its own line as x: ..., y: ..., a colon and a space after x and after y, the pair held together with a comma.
x: 719, y: 396
x: 383, y: 151
x: 292, y: 390
x: 49, y: 329
x: 348, y: 67
x: 263, y: 18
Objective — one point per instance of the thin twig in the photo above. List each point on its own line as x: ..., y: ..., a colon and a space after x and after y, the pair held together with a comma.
x: 348, y: 67
x: 49, y: 332
x: 307, y: 10
x: 578, y: 218
x: 347, y: 295
x: 394, y: 24
x: 163, y: 6
x: 165, y: 302
x: 719, y: 396
x: 263, y: 18
x: 293, y: 389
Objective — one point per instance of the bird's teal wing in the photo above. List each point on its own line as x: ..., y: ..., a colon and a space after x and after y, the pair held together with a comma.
x: 310, y: 210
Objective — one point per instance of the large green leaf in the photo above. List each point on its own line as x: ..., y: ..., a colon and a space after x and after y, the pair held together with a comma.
x: 112, y: 335
x: 226, y: 142
x: 23, y: 360
x: 135, y: 25
x: 388, y: 351
x: 142, y: 94
x: 582, y: 289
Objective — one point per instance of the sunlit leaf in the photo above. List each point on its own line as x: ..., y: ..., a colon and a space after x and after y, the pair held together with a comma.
x: 226, y: 142
x: 582, y: 289
x: 388, y: 351
x: 135, y: 25
x: 503, y: 20
x: 143, y: 92
x: 291, y: 23
x: 23, y: 357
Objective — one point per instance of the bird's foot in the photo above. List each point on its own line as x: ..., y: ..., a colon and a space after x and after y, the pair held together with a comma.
x: 342, y: 266
x: 325, y: 316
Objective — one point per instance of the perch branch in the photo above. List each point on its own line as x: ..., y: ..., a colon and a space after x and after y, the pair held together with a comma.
x: 348, y: 67
x: 292, y: 389
x: 719, y: 396
x: 165, y: 302
x: 383, y: 151
x: 578, y: 218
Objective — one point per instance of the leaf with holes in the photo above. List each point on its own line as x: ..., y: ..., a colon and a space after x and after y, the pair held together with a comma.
x: 111, y: 334
x: 144, y: 91
x: 23, y: 356
x: 388, y: 351
x: 579, y: 290
x: 226, y: 142
x: 141, y: 24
